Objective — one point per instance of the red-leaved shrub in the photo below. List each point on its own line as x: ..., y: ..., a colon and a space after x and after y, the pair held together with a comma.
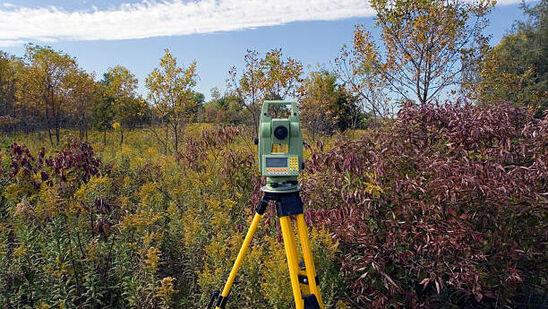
x: 445, y: 205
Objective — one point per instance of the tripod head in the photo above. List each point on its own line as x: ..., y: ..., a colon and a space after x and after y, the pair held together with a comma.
x: 280, y: 147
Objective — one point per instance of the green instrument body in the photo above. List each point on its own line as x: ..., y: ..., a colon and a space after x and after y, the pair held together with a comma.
x: 280, y: 147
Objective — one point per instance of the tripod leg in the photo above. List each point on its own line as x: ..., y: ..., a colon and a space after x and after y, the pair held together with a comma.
x: 241, y: 254
x: 302, y: 229
x: 292, y: 263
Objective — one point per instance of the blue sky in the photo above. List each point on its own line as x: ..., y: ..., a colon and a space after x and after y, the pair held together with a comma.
x: 312, y: 37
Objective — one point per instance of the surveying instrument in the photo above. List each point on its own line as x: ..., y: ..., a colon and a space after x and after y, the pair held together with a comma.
x: 280, y: 160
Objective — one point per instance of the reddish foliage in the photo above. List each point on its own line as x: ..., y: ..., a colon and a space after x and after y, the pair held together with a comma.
x: 69, y: 168
x: 24, y: 165
x: 461, y: 215
x: 77, y: 161
x: 74, y: 164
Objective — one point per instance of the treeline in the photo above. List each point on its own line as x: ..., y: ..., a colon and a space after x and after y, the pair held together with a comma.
x: 48, y: 90
x: 428, y: 51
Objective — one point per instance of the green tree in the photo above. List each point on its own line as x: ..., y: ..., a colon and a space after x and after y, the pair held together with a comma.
x: 197, y: 109
x: 103, y: 115
x: 516, y: 69
x: 170, y: 89
x: 224, y: 109
x: 128, y: 113
x: 325, y: 106
x: 120, y: 88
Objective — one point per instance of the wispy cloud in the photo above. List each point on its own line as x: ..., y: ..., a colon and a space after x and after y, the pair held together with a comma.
x: 164, y: 18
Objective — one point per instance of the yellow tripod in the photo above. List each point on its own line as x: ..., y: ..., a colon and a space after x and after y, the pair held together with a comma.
x: 288, y: 205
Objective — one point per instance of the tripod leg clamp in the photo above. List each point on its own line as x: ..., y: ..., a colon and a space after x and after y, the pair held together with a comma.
x: 221, y: 302
x: 217, y: 301
x: 261, y: 206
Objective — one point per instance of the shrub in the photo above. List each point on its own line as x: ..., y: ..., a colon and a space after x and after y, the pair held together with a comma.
x: 443, y: 206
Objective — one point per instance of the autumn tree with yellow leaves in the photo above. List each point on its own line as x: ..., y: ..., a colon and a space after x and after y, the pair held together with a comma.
x: 8, y: 83
x: 82, y: 95
x: 171, y: 91
x: 44, y: 82
x: 423, y: 45
x: 268, y: 78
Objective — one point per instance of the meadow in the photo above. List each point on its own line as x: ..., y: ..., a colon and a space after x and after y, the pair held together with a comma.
x: 442, y: 206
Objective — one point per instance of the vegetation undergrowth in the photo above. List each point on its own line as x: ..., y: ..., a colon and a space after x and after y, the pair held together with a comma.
x: 446, y: 205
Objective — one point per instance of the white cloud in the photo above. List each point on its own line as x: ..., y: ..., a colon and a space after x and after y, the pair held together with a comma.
x: 8, y: 43
x: 175, y: 17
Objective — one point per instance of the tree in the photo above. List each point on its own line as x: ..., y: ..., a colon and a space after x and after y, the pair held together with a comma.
x: 29, y: 116
x: 103, y: 115
x: 357, y: 68
x: 81, y: 97
x: 224, y: 109
x: 129, y: 112
x: 248, y: 85
x: 515, y: 69
x: 45, y: 84
x: 281, y: 78
x: 325, y: 106
x: 270, y: 78
x: 7, y: 91
x: 119, y: 88
x: 170, y: 89
x: 197, y: 109
x: 424, y: 42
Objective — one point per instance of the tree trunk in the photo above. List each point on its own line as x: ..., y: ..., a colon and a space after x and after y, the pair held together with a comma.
x: 167, y: 138
x: 256, y: 117
x: 48, y: 120
x: 57, y: 133
x: 48, y: 125
x: 55, y: 116
x: 176, y: 135
x: 82, y: 128
x: 50, y: 136
x: 105, y: 137
x: 121, y: 136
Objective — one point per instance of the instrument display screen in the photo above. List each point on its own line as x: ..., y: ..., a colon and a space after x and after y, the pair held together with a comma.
x: 276, y: 162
